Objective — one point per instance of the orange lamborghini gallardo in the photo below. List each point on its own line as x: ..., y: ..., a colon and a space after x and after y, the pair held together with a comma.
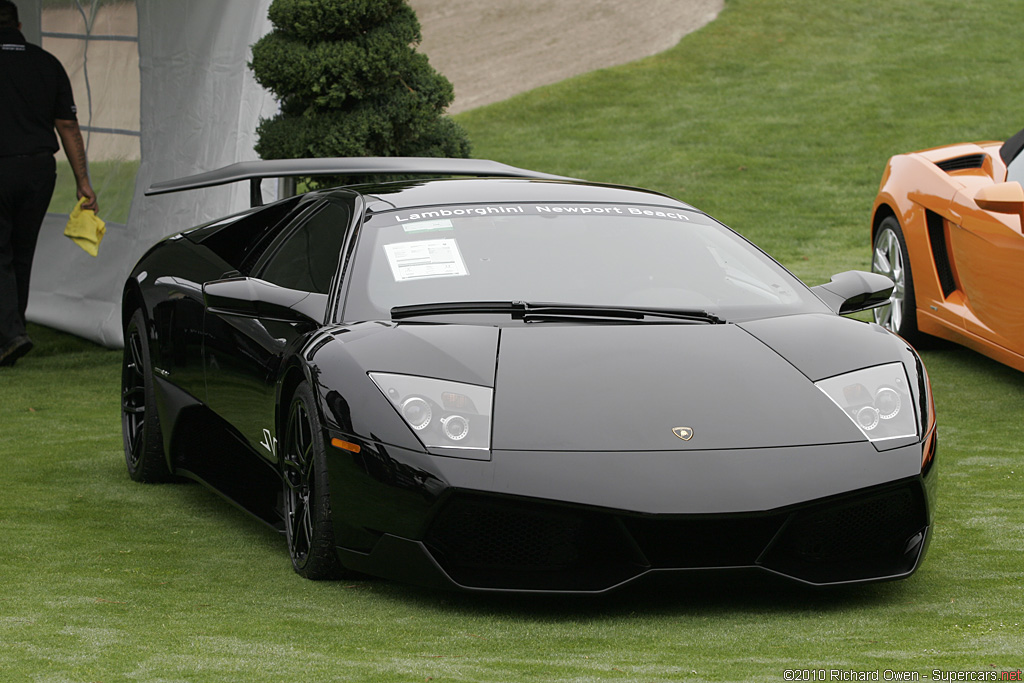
x: 946, y: 228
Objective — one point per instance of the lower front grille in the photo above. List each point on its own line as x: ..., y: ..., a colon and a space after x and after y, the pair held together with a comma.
x: 853, y: 531
x: 853, y: 540
x: 703, y: 542
x: 494, y: 535
x: 497, y: 542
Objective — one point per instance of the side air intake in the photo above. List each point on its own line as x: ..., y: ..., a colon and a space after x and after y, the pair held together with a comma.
x: 962, y: 163
x: 937, y: 237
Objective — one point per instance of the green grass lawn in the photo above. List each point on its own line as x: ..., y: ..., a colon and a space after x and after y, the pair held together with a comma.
x: 777, y: 118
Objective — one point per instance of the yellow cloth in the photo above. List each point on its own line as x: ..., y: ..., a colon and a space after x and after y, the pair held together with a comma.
x: 85, y: 228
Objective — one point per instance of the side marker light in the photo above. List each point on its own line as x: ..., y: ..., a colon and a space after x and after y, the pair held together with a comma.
x: 346, y: 446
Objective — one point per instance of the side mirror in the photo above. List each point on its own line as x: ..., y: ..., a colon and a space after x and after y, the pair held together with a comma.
x: 1001, y: 198
x: 252, y: 298
x: 855, y: 290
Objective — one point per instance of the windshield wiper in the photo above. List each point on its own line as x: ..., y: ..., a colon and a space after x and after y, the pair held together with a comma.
x: 456, y: 307
x: 541, y: 312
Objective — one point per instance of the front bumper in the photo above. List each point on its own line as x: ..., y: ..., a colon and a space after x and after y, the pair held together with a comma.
x: 496, y: 543
x: 823, y: 515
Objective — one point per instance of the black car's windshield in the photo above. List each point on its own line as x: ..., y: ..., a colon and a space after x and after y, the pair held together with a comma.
x: 586, y: 254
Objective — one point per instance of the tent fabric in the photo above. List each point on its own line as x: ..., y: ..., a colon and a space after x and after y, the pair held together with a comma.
x: 98, y: 44
x: 199, y: 110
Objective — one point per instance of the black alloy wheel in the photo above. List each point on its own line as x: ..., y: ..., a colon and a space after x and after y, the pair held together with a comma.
x: 140, y: 423
x: 307, y: 498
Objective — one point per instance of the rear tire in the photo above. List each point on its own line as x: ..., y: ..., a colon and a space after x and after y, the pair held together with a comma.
x: 890, y: 258
x: 140, y: 424
x: 308, y: 525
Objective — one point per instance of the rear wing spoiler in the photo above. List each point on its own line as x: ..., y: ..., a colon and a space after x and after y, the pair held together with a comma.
x: 257, y: 171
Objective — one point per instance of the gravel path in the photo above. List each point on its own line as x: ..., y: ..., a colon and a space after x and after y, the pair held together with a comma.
x: 493, y: 49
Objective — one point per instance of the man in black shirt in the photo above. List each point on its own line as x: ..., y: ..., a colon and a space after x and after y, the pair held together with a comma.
x: 35, y: 98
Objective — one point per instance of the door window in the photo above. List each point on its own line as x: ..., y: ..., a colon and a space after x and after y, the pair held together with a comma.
x: 307, y: 257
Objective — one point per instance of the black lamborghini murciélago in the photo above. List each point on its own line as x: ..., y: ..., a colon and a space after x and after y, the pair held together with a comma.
x: 521, y: 382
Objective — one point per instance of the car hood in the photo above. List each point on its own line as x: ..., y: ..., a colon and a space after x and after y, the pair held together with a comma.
x: 628, y: 387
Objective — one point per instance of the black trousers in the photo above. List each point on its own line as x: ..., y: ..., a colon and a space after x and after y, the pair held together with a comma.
x: 26, y: 186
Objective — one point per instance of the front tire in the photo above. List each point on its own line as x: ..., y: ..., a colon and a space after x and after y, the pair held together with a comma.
x: 140, y: 424
x: 307, y: 498
x: 890, y: 258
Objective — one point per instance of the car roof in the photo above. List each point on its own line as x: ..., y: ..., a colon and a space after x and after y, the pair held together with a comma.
x: 433, y: 192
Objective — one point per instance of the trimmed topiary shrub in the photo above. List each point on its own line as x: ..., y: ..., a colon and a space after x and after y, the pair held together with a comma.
x: 351, y: 83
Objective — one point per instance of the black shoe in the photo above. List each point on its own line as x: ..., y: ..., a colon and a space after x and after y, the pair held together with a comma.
x: 15, y: 349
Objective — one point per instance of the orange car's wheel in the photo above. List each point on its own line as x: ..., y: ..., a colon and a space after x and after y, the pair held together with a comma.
x: 890, y: 259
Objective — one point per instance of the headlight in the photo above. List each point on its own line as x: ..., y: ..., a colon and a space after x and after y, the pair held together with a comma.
x: 417, y: 412
x: 443, y: 414
x: 878, y: 401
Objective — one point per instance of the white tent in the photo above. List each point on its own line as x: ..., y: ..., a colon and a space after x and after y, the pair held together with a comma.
x: 197, y: 109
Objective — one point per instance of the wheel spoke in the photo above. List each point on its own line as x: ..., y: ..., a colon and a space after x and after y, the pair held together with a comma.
x: 299, y: 535
x: 136, y: 443
x: 297, y: 466
x: 887, y: 259
x: 881, y: 262
x: 292, y: 475
x: 136, y: 364
x: 133, y: 397
x: 307, y: 524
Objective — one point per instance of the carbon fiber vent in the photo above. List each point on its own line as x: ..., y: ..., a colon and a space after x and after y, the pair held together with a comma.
x: 962, y: 163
